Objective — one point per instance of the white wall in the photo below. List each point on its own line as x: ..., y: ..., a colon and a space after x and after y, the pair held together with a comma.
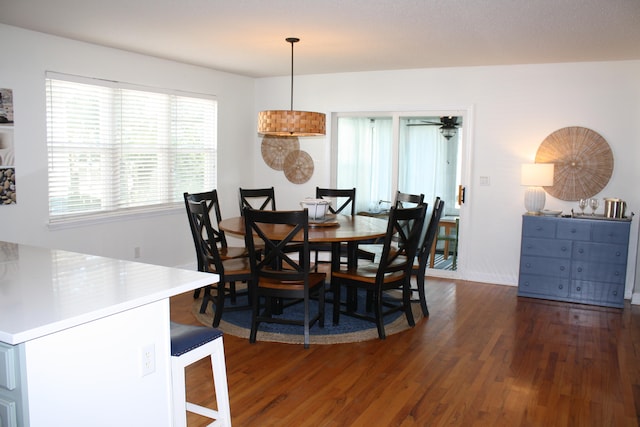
x: 514, y: 108
x: 163, y: 240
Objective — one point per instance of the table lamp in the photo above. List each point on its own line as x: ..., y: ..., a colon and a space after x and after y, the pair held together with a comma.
x: 535, y: 176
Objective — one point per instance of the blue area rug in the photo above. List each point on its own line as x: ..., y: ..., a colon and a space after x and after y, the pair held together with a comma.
x: 238, y: 323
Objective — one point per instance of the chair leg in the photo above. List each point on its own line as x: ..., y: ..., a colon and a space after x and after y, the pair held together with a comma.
x: 219, y: 305
x: 422, y: 294
x: 336, y: 303
x: 406, y: 302
x: 377, y: 307
x: 205, y: 299
x: 254, y: 318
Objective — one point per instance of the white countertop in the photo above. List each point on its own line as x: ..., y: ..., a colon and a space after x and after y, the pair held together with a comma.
x: 44, y: 291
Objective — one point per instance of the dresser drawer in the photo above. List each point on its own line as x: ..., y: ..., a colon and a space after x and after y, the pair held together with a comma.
x: 546, y: 247
x: 533, y: 285
x: 611, y: 232
x: 539, y: 227
x: 8, y: 414
x: 7, y: 367
x: 555, y: 267
x: 599, y: 272
x: 600, y: 252
x: 597, y: 292
x: 574, y: 230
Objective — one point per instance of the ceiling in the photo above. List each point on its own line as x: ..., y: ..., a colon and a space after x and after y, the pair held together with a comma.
x: 247, y: 37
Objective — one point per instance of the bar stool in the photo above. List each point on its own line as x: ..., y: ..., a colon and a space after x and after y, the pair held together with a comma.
x: 188, y: 345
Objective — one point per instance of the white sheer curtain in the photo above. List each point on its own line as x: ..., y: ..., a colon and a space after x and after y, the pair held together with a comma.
x: 423, y: 166
x: 364, y: 159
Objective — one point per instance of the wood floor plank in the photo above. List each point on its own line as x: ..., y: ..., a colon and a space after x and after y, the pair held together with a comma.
x: 484, y: 357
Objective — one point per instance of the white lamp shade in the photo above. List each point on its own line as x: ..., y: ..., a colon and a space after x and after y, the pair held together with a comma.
x: 537, y: 174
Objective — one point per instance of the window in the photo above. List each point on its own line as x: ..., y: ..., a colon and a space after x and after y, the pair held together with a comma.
x: 388, y: 152
x: 115, y: 148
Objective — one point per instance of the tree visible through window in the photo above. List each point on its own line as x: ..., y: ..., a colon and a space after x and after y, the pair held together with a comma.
x: 115, y: 148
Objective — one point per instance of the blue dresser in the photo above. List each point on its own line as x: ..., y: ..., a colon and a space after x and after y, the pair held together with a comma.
x: 575, y: 260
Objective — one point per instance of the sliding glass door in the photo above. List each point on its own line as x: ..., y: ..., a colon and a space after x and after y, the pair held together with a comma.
x: 382, y: 153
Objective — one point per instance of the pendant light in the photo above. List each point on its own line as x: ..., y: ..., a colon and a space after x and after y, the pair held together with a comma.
x: 291, y: 122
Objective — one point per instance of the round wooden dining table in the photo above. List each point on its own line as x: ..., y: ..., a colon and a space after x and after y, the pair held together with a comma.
x: 337, y: 229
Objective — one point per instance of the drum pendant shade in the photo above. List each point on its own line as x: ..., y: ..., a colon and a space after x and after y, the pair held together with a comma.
x: 291, y: 122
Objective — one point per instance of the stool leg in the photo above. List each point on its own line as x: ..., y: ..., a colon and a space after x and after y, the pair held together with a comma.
x: 220, y: 382
x: 179, y: 393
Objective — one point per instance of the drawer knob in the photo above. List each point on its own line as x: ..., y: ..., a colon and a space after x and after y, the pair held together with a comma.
x: 617, y: 273
x: 615, y: 293
x: 578, y: 289
x: 579, y: 269
x: 564, y: 249
x: 560, y: 286
x: 573, y: 230
x: 538, y: 228
x: 562, y: 268
x: 618, y: 253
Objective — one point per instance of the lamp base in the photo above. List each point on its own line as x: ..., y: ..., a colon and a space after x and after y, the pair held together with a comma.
x: 534, y: 199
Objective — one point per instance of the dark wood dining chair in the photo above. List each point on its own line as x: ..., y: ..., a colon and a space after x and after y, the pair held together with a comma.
x: 345, y: 203
x: 257, y: 198
x: 424, y: 250
x: 213, y: 208
x: 405, y: 200
x: 392, y: 272
x: 230, y: 270
x: 278, y: 276
x: 345, y: 199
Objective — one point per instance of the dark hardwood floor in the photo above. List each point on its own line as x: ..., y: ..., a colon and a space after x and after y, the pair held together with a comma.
x: 484, y: 357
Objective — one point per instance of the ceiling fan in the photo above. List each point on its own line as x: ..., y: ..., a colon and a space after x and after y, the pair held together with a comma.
x: 448, y: 125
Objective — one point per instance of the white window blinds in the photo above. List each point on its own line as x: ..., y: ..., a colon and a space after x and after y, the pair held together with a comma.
x: 115, y: 148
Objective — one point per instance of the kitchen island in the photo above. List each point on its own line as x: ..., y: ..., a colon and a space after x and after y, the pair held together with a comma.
x: 85, y: 340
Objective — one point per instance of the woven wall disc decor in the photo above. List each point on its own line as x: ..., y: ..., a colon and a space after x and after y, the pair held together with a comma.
x: 275, y: 149
x: 298, y: 167
x: 583, y: 162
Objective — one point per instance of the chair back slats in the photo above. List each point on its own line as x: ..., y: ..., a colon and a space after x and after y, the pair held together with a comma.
x: 277, y: 262
x: 403, y: 199
x: 401, y: 240
x: 344, y: 198
x: 213, y: 206
x: 204, y: 236
x: 257, y: 198
x: 431, y: 230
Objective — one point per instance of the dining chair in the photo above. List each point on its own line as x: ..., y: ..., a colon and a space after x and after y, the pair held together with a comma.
x: 345, y: 203
x: 278, y: 275
x: 422, y: 254
x: 407, y: 198
x: 226, y: 251
x: 344, y: 198
x: 392, y: 272
x: 257, y: 198
x: 230, y: 270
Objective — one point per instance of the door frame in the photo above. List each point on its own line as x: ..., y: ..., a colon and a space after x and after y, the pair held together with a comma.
x: 466, y: 145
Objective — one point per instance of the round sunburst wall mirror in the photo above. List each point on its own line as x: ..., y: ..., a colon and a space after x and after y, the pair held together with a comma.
x: 583, y: 162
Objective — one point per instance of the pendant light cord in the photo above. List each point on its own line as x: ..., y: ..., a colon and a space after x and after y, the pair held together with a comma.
x: 292, y: 40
